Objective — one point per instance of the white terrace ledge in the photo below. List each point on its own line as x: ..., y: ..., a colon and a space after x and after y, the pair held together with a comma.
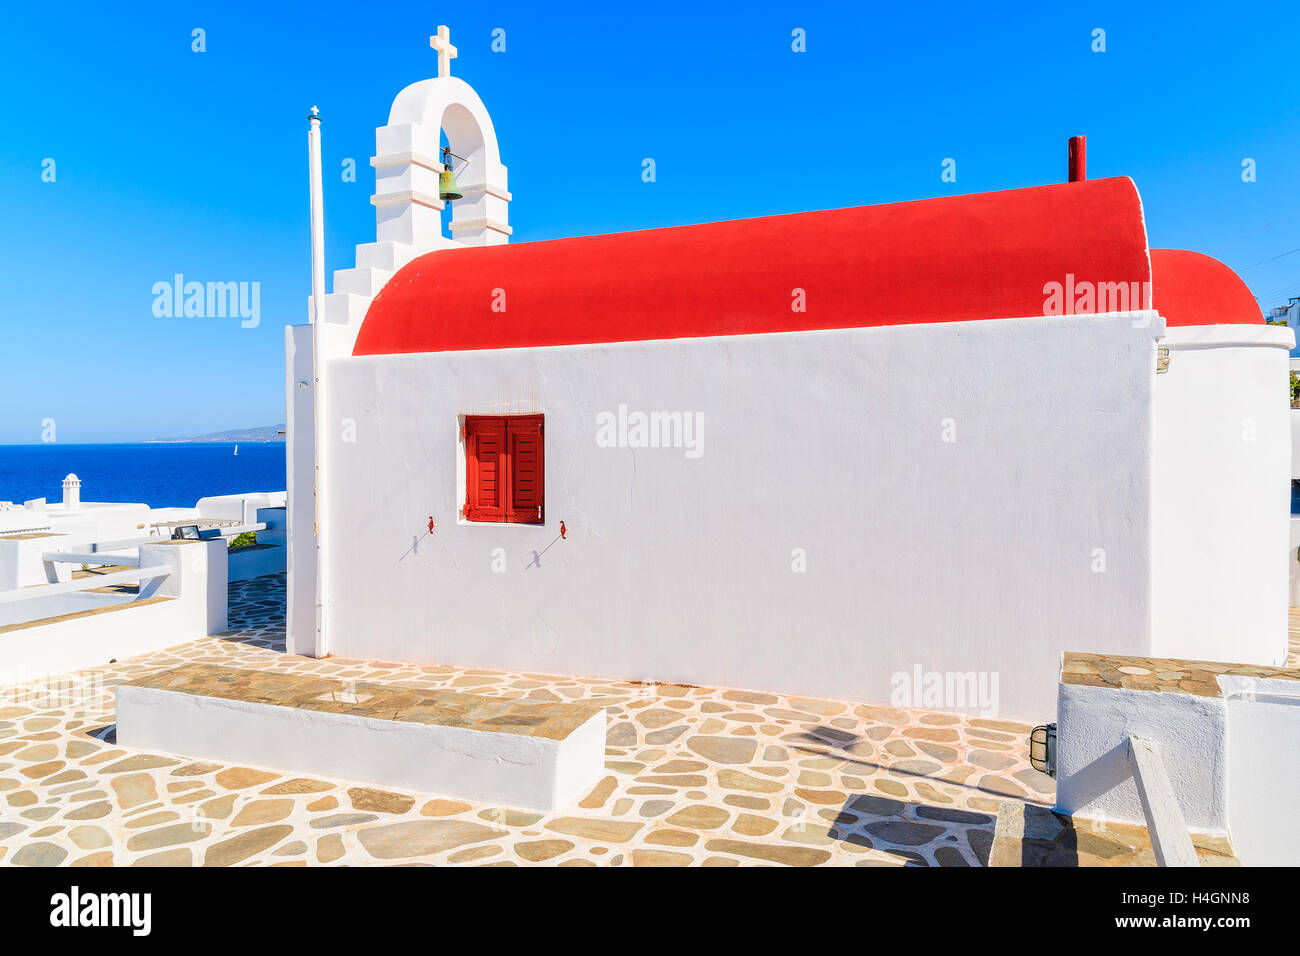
x: 1226, y: 735
x: 532, y: 754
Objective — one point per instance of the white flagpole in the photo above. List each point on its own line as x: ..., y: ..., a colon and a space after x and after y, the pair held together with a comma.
x: 317, y: 398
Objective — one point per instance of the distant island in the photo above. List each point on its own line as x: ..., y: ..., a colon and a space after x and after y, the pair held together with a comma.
x: 265, y: 433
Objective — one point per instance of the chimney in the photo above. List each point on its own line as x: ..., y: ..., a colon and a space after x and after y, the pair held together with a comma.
x: 71, y: 493
x: 1078, y: 158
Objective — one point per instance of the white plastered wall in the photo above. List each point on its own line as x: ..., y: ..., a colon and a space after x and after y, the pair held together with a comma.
x: 1025, y: 536
x: 1263, y: 772
x: 1094, y: 777
x: 1221, y: 495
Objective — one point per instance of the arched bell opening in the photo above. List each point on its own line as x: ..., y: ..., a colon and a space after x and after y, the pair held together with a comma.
x: 461, y: 146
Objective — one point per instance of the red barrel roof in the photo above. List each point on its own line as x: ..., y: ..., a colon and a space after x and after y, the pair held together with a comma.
x: 981, y: 256
x: 1192, y: 289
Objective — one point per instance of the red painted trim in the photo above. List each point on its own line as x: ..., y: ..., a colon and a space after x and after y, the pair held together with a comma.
x: 1193, y: 289
x: 981, y: 256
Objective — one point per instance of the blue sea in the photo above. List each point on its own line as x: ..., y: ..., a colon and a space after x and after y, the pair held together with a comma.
x: 161, y: 475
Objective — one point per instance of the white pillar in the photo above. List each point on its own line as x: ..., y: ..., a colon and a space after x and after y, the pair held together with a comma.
x: 300, y: 560
x: 318, y: 397
x: 199, y: 579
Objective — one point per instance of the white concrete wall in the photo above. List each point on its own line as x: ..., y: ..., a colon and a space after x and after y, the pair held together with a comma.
x: 1263, y: 769
x: 300, y: 544
x: 21, y: 564
x: 199, y: 577
x: 31, y: 516
x: 1094, y: 775
x: 197, y: 583
x: 42, y: 606
x: 277, y: 524
x: 101, y: 520
x: 1221, y: 497
x: 269, y: 556
x: 14, y: 559
x: 1295, y: 442
x: 91, y: 641
x: 1293, y: 561
x: 239, y: 507
x: 984, y: 554
x: 256, y: 561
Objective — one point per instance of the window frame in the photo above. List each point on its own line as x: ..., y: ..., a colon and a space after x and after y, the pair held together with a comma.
x: 508, y: 427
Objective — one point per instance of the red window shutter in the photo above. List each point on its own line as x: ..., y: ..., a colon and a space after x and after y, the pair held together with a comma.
x: 527, y: 489
x: 505, y: 469
x: 486, y: 468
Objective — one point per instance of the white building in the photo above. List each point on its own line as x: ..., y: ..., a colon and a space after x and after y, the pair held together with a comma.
x: 815, y: 454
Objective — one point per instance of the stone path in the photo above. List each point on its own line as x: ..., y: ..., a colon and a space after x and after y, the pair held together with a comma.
x: 698, y: 776
x: 1030, y: 835
x: 1293, y: 633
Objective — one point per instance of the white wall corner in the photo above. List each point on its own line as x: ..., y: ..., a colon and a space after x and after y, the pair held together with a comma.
x: 1094, y: 768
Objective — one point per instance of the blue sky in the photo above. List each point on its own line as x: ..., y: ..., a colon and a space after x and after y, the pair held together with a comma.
x: 168, y: 160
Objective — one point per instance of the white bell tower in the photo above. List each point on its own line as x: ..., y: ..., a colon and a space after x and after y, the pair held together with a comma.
x: 407, y: 207
x: 408, y: 216
x: 408, y: 211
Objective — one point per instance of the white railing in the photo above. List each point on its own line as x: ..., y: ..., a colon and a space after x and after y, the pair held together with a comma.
x: 206, y: 527
x: 241, y: 528
x: 129, y: 576
x: 1170, y: 838
x: 91, y: 557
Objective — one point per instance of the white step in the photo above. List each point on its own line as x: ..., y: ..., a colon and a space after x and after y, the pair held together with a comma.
x: 364, y: 281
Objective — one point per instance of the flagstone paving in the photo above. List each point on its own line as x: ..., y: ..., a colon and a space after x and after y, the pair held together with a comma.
x: 694, y: 776
x: 1029, y: 835
x: 1293, y: 634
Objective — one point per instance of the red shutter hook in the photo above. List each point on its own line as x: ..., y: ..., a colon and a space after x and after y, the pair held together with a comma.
x: 563, y: 530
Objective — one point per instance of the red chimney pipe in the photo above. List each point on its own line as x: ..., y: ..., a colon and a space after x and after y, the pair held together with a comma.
x: 1078, y: 158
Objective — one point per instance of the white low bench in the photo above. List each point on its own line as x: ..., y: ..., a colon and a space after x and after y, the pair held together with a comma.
x: 536, y: 755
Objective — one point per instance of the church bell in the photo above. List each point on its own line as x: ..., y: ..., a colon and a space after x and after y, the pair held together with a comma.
x: 447, y: 188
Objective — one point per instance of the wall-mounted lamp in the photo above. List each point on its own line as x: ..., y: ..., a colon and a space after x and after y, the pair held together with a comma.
x: 1042, y: 749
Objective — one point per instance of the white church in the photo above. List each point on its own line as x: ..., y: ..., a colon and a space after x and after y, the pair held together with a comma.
x: 805, y: 453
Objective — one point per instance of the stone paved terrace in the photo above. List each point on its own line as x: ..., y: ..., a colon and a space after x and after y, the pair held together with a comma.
x: 1294, y: 627
x: 694, y: 776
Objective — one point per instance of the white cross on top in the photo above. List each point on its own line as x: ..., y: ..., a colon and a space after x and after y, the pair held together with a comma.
x: 446, y: 52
